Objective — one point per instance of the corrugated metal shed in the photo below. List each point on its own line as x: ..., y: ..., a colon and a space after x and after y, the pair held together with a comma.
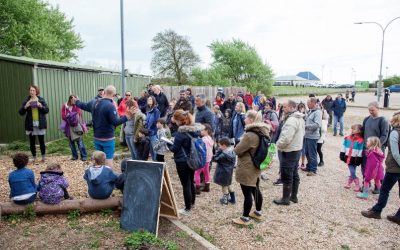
x: 56, y: 82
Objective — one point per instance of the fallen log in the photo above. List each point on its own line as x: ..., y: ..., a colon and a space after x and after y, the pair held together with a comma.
x: 83, y: 205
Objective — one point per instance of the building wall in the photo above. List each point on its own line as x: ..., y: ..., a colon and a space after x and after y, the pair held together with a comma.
x: 15, y: 79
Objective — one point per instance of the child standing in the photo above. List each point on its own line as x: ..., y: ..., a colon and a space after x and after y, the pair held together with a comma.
x: 99, y: 177
x: 373, y: 167
x: 217, y: 122
x: 226, y: 122
x: 206, y: 137
x: 53, y: 185
x: 324, y: 129
x: 351, y: 154
x: 225, y: 158
x: 160, y: 147
x: 143, y: 145
x: 22, y: 181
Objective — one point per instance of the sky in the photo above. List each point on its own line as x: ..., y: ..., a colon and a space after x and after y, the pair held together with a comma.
x: 290, y: 35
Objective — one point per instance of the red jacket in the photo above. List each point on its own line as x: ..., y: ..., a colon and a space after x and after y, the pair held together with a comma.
x: 122, y: 107
x: 248, y: 99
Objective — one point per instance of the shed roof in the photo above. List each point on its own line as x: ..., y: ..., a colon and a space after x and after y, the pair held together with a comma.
x: 62, y: 65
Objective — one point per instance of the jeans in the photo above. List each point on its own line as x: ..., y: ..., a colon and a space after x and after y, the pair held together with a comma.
x: 311, y: 154
x: 27, y: 201
x: 288, y: 166
x: 389, y: 181
x: 330, y: 113
x: 249, y: 193
x: 81, y: 146
x: 337, y: 119
x: 153, y: 139
x: 353, y: 172
x: 131, y: 146
x: 32, y: 142
x: 206, y: 171
x: 186, y: 176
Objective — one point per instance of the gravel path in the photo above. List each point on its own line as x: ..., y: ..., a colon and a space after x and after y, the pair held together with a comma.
x: 326, y: 217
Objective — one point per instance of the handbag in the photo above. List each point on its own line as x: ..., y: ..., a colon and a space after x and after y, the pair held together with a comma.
x: 62, y: 126
x: 76, y: 132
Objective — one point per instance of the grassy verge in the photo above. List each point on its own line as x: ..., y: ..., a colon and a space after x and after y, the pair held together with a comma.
x: 298, y: 91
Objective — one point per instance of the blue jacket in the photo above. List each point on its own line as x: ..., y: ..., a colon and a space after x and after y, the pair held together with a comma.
x: 237, y: 129
x: 205, y: 115
x: 101, y: 181
x: 105, y: 117
x: 339, y: 107
x: 151, y: 120
x: 22, y: 181
x: 182, y: 141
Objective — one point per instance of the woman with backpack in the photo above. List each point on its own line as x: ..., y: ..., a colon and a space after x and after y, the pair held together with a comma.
x: 237, y: 122
x: 181, y: 149
x: 247, y: 174
x: 72, y: 116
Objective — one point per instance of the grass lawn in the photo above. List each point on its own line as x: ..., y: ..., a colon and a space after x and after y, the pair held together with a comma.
x: 293, y: 91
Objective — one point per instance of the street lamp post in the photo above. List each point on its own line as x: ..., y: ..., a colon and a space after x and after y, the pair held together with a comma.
x: 122, y: 48
x: 380, y: 84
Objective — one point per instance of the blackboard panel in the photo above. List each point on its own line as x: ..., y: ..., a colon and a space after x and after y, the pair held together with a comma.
x: 142, y: 191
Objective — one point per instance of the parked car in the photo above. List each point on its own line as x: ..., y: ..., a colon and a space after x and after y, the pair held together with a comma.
x: 394, y: 88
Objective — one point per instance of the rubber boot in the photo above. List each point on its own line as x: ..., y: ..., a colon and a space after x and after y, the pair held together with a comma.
x: 198, y: 190
x: 233, y: 198
x: 285, y: 200
x: 357, y: 185
x: 295, y: 189
x: 348, y: 184
x: 206, y: 187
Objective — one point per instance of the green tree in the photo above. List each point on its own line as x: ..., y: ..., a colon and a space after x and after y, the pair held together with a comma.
x: 239, y: 64
x: 173, y: 56
x: 33, y: 28
x: 391, y: 81
x: 209, y: 77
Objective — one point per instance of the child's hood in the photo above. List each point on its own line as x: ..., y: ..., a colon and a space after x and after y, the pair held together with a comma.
x: 51, y: 176
x: 230, y: 155
x: 380, y: 156
x: 94, y: 174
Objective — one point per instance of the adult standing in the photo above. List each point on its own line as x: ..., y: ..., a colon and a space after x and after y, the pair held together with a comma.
x: 35, y: 109
x: 338, y: 108
x: 72, y: 117
x: 190, y: 96
x: 312, y: 133
x: 248, y: 98
x: 203, y: 114
x: 181, y: 149
x: 247, y: 174
x: 238, y: 122
x: 327, y: 104
x: 218, y: 100
x: 162, y: 100
x: 271, y: 117
x: 353, y: 94
x: 184, y: 102
x: 230, y: 103
x: 132, y: 127
x: 152, y: 115
x: 290, y: 144
x: 142, y: 101
x: 122, y: 105
x: 105, y: 119
x: 392, y: 174
x: 374, y: 125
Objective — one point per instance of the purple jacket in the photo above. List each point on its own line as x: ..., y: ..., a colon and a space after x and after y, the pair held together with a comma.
x: 374, y: 166
x: 51, y: 186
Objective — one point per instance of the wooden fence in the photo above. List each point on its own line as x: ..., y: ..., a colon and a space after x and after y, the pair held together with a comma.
x: 209, y: 91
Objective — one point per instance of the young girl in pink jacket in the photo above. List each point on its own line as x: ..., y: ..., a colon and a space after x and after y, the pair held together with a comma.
x: 374, y: 166
x: 208, y: 140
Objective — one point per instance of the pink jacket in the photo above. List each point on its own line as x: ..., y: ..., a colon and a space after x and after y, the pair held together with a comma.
x: 209, y: 146
x: 374, y: 167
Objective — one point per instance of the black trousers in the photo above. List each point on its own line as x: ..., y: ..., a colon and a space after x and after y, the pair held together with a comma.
x: 186, y: 176
x: 319, y: 151
x: 289, y: 162
x: 249, y: 193
x: 32, y: 144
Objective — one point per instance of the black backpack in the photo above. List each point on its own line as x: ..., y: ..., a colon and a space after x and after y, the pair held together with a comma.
x: 261, y: 159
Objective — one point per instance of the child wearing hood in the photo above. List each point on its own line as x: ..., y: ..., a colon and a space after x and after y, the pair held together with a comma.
x: 373, y: 167
x: 53, y: 185
x: 99, y: 177
x: 226, y: 123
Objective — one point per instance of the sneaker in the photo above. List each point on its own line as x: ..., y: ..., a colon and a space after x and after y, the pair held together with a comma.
x: 393, y: 218
x: 264, y: 177
x: 224, y: 199
x: 73, y: 159
x: 256, y: 215
x: 278, y: 182
x: 371, y: 214
x: 84, y: 159
x: 362, y: 195
x: 184, y: 211
x: 311, y: 174
x: 376, y: 191
x: 242, y: 221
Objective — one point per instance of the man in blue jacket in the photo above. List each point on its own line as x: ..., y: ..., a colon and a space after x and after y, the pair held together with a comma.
x: 338, y: 108
x: 202, y: 113
x: 105, y: 119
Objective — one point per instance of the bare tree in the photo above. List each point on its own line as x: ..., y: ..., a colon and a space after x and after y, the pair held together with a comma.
x: 173, y: 56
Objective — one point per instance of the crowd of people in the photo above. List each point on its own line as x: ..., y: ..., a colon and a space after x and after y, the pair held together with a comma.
x: 231, y: 129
